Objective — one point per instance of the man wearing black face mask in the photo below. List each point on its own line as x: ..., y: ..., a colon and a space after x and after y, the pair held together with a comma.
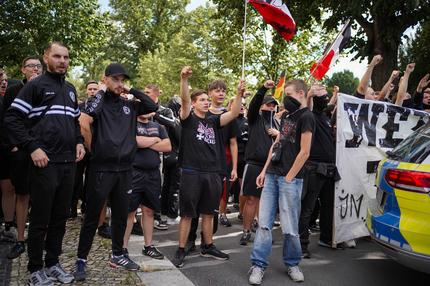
x: 320, y: 173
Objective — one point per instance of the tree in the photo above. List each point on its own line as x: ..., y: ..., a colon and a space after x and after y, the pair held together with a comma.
x: 417, y: 50
x: 267, y: 54
x: 345, y: 80
x: 142, y: 26
x: 380, y: 26
x: 26, y: 27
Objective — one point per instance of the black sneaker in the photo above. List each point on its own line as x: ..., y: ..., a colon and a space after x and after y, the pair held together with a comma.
x: 190, y: 247
x: 179, y: 258
x: 105, y: 231
x: 245, y: 238
x: 306, y: 253
x: 16, y: 250
x: 137, y: 229
x: 152, y: 252
x: 240, y: 217
x: 211, y: 251
x: 123, y: 261
x: 80, y: 273
x: 160, y: 224
x: 254, y: 225
x: 223, y: 220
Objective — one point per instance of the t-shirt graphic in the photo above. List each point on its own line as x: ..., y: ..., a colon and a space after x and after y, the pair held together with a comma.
x: 288, y: 130
x: 205, y: 133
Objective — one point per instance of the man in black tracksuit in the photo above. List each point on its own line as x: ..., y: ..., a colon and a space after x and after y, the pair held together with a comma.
x: 112, y: 153
x: 43, y: 120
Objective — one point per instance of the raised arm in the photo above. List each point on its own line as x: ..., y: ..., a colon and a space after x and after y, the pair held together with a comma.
x: 364, y: 82
x: 385, y: 91
x: 186, y: 72
x: 257, y: 100
x: 235, y: 106
x: 403, y: 86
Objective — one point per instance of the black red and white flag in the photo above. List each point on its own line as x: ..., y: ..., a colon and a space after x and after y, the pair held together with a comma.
x: 331, y: 54
x: 276, y: 14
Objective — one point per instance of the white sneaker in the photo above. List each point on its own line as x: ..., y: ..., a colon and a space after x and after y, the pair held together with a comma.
x: 160, y: 225
x: 57, y: 273
x: 173, y: 221
x: 295, y: 274
x: 39, y: 278
x: 350, y: 243
x: 255, y: 275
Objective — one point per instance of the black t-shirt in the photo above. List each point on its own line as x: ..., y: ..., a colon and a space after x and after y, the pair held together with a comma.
x: 201, y: 148
x: 323, y: 145
x: 292, y: 127
x: 242, y: 137
x: 228, y: 131
x: 147, y: 158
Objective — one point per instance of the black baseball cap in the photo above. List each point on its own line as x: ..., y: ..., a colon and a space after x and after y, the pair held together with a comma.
x: 270, y: 99
x: 116, y: 69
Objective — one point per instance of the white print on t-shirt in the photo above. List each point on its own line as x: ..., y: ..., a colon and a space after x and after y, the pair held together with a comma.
x: 205, y: 133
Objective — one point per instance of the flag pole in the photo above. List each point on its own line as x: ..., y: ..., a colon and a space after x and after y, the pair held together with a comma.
x: 244, y: 42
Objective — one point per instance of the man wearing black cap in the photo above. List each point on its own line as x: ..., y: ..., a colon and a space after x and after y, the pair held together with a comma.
x: 262, y: 132
x: 112, y: 152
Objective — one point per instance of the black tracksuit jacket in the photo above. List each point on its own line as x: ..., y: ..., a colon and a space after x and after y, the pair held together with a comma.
x: 45, y: 115
x: 114, y: 129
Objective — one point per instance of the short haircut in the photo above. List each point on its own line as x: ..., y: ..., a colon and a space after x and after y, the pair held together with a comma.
x: 24, y: 61
x: 298, y: 85
x: 196, y: 94
x: 49, y: 47
x: 91, y: 82
x: 153, y: 87
x: 217, y: 84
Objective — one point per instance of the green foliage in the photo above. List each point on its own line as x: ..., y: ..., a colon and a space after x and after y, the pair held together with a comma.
x: 27, y: 26
x: 345, y: 80
x: 417, y: 50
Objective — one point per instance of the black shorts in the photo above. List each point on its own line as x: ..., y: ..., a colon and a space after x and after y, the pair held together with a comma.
x: 4, y: 165
x: 250, y: 174
x: 199, y: 193
x: 146, y: 188
x: 19, y: 172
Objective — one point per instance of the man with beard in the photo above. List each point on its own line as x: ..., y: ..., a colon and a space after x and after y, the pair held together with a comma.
x: 19, y: 160
x: 43, y: 120
x: 113, y: 148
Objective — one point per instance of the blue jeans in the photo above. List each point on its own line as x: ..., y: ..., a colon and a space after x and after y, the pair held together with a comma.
x: 277, y: 192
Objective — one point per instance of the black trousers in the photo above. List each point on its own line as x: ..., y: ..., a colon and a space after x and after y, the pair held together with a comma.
x: 103, y: 185
x: 79, y: 189
x: 169, y: 192
x: 315, y: 185
x: 51, y: 191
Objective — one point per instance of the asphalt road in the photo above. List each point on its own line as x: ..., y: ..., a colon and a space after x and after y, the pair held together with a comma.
x: 363, y: 265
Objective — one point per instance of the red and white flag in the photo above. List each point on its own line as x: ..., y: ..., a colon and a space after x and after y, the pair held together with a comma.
x: 320, y: 68
x: 276, y: 14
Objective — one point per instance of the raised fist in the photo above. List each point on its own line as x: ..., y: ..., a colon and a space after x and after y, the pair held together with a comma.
x: 186, y: 72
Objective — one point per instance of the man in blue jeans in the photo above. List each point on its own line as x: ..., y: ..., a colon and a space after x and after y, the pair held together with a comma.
x: 283, y: 185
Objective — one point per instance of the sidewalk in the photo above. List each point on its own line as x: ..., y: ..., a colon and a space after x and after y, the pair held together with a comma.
x: 153, y: 272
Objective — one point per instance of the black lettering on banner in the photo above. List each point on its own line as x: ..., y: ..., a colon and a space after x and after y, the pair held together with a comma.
x: 357, y: 123
x: 390, y: 127
x: 372, y: 166
x: 352, y: 205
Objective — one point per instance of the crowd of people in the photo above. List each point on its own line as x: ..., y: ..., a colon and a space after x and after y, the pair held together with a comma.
x: 121, y: 150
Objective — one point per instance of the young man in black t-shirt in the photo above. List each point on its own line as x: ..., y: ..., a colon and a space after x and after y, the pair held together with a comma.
x: 151, y: 139
x: 283, y: 185
x: 199, y: 155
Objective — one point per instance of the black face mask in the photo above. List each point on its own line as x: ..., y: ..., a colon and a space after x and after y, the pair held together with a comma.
x: 291, y: 104
x: 320, y: 103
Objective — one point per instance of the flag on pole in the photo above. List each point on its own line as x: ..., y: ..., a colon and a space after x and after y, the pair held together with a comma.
x: 320, y: 68
x: 276, y: 14
x: 280, y: 87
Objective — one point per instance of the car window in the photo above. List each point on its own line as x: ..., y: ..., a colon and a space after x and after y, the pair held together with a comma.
x: 415, y: 148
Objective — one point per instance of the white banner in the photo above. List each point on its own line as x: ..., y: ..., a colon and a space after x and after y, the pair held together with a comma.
x: 365, y: 131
